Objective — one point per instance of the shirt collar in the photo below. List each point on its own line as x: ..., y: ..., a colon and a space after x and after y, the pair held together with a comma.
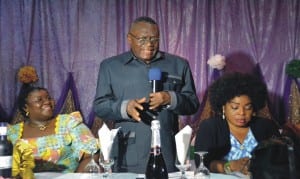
x: 158, y: 56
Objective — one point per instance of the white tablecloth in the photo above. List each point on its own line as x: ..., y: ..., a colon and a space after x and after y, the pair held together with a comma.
x: 49, y: 175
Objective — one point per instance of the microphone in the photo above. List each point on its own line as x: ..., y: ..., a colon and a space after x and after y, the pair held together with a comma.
x: 155, y: 77
x: 148, y: 115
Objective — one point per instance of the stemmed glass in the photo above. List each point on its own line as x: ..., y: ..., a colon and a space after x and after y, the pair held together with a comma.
x: 183, y: 167
x: 201, y: 172
x: 92, y: 167
x: 183, y: 164
x: 106, y: 164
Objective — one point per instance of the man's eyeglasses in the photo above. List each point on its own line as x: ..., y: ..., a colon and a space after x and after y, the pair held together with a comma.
x: 144, y: 40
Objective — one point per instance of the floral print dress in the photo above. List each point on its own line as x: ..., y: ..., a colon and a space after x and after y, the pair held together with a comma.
x: 61, y: 151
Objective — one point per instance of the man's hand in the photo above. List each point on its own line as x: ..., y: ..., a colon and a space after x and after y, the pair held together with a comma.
x: 133, y: 106
x: 159, y: 99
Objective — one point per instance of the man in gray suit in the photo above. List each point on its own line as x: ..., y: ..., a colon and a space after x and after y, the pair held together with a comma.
x: 125, y: 94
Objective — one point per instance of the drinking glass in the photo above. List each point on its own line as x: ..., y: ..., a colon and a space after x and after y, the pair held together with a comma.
x: 183, y: 164
x: 106, y: 165
x: 92, y: 168
x: 183, y: 167
x: 201, y: 172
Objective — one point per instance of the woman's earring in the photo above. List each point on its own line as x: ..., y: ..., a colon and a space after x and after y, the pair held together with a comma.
x: 223, y: 114
x: 27, y: 113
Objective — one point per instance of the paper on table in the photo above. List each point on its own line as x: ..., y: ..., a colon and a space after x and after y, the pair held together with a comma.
x: 183, y: 138
x: 106, y: 139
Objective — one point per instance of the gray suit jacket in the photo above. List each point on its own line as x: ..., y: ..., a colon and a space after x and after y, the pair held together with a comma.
x: 122, y: 78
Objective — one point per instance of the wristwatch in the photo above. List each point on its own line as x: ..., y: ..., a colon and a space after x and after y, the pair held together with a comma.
x: 227, y: 168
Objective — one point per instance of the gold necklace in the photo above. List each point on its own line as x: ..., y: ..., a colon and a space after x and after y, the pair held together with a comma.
x: 41, y: 127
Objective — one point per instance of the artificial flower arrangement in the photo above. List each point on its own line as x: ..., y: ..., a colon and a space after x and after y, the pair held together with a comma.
x: 293, y: 68
x: 217, y: 62
x: 27, y: 75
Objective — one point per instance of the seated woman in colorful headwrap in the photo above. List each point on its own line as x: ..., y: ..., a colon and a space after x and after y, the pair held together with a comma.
x: 45, y: 142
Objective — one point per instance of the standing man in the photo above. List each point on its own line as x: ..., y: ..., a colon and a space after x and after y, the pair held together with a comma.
x: 124, y: 94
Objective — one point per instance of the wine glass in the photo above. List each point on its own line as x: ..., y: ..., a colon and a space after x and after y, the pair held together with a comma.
x: 183, y: 167
x: 92, y: 168
x: 201, y: 172
x: 106, y: 164
x: 183, y: 164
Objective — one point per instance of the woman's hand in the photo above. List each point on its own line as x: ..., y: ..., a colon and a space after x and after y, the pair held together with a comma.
x: 241, y: 165
x: 86, y: 158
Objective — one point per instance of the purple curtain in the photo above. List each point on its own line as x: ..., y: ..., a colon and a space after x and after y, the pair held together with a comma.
x: 70, y: 86
x: 74, y: 36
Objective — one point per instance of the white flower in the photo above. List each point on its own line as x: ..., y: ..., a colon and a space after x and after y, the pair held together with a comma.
x: 217, y: 61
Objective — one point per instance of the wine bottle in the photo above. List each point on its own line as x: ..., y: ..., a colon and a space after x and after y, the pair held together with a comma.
x: 156, y: 167
x: 6, y: 150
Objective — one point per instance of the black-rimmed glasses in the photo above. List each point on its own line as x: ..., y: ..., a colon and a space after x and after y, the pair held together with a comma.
x: 144, y: 40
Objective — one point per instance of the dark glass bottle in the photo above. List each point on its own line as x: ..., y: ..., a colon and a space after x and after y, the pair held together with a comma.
x: 156, y: 167
x: 6, y: 150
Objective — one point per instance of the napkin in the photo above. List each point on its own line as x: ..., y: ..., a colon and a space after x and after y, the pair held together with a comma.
x: 183, y: 138
x: 106, y: 139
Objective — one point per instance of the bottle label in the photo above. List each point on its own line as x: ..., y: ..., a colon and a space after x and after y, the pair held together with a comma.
x: 155, y: 151
x: 3, y: 130
x: 5, y: 162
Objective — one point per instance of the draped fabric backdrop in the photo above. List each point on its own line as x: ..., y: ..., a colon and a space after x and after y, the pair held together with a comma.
x: 66, y: 37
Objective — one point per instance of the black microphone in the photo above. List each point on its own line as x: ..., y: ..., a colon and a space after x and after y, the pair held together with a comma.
x: 155, y: 77
x: 148, y: 115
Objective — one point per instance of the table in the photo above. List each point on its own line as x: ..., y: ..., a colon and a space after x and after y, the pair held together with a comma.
x: 174, y: 175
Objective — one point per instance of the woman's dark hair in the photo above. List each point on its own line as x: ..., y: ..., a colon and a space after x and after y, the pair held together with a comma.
x: 24, y: 93
x: 236, y: 84
x: 274, y: 158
